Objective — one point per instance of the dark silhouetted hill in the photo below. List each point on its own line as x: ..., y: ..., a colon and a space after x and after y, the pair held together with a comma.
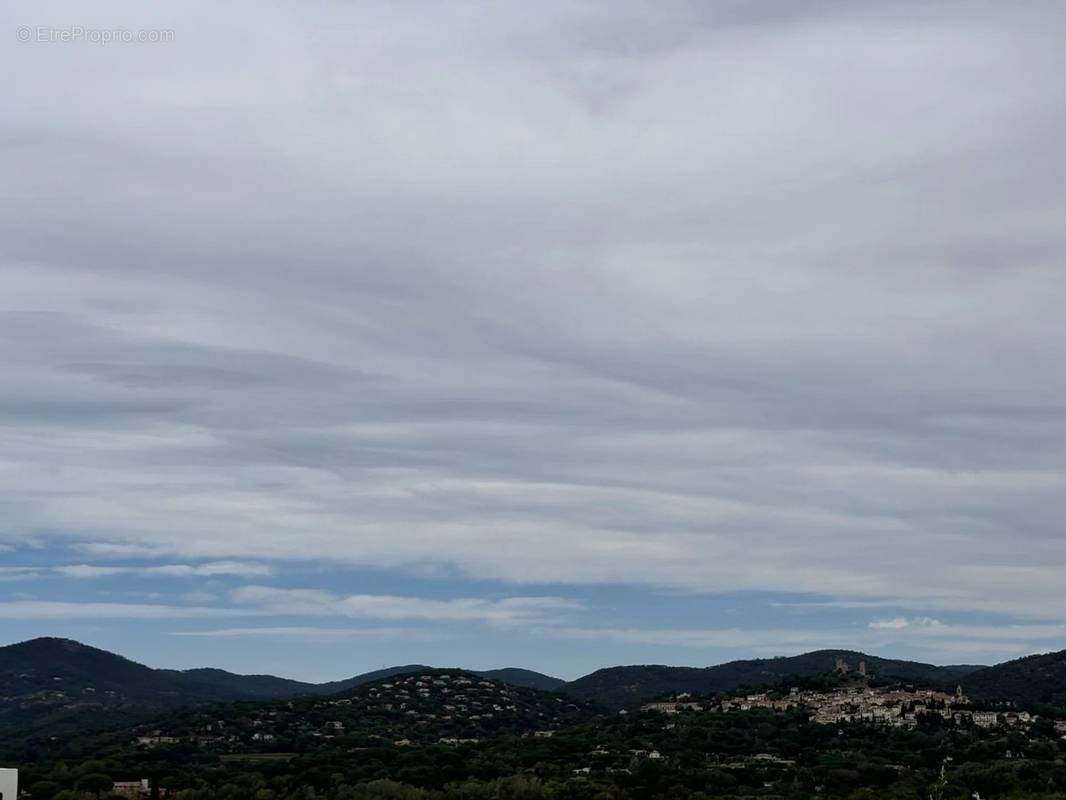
x: 618, y: 686
x: 1025, y: 681
x: 48, y: 680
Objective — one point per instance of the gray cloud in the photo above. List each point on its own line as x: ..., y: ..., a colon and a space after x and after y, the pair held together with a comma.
x: 212, y: 569
x: 311, y: 633
x: 711, y: 296
x: 55, y: 609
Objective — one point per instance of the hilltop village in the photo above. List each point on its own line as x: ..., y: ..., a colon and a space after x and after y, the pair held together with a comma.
x: 856, y: 701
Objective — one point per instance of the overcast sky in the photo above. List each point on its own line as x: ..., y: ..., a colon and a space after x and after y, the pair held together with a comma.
x: 341, y: 334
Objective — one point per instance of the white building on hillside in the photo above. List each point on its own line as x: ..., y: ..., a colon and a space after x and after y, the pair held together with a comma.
x: 9, y: 784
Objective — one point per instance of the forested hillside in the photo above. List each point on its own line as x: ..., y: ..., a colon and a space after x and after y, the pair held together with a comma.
x: 620, y: 686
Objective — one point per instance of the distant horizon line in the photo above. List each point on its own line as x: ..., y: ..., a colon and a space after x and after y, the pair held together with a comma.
x: 509, y: 666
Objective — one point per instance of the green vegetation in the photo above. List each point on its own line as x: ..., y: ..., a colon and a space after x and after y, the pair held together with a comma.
x: 620, y: 686
x: 60, y: 685
x: 1032, y: 680
x: 443, y: 734
x: 428, y: 734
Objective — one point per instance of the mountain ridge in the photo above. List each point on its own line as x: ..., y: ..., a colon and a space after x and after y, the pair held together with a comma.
x: 50, y: 678
x: 1038, y: 678
x: 622, y: 685
x: 48, y: 674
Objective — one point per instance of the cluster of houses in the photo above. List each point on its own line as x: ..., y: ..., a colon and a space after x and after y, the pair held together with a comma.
x: 462, y: 697
x: 134, y: 789
x: 407, y: 710
x: 156, y: 738
x: 899, y: 708
x: 9, y: 786
x: 634, y: 756
x: 858, y: 702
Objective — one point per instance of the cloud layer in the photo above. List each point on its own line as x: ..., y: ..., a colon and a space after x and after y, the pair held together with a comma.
x: 701, y: 297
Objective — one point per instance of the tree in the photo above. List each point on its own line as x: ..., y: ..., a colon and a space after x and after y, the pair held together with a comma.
x: 44, y: 790
x: 95, y: 782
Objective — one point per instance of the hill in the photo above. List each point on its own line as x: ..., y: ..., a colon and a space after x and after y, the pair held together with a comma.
x: 333, y: 687
x: 61, y: 671
x: 524, y: 677
x: 207, y: 682
x: 512, y: 675
x: 51, y: 679
x: 422, y: 706
x: 1033, y: 679
x: 453, y: 735
x: 58, y: 682
x: 407, y: 710
x: 618, y: 686
x: 48, y: 681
